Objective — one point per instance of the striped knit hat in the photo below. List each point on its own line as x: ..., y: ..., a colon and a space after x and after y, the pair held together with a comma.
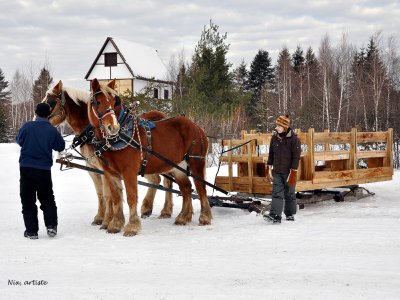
x: 283, y: 121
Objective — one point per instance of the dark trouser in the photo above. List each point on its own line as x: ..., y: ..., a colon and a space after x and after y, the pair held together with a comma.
x: 38, y: 181
x: 280, y: 192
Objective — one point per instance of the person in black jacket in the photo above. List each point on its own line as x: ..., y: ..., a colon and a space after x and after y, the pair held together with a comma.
x: 37, y: 140
x: 281, y: 170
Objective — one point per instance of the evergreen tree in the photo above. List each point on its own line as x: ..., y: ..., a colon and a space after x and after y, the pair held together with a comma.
x: 298, y: 60
x: 209, y: 78
x: 5, y: 120
x: 298, y: 82
x: 309, y: 116
x: 41, y: 85
x: 239, y: 76
x: 261, y: 71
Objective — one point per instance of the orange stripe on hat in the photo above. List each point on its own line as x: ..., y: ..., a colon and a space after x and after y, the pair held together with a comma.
x: 283, y: 121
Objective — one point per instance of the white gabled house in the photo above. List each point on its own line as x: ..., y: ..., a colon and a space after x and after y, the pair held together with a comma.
x: 134, y: 66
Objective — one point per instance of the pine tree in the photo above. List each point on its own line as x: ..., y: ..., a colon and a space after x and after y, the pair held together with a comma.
x: 41, y: 85
x: 5, y: 120
x: 298, y: 82
x: 298, y: 60
x: 309, y: 116
x: 261, y: 72
x: 209, y: 76
x: 240, y: 77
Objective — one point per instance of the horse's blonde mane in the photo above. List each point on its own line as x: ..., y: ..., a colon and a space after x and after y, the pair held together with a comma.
x: 75, y: 94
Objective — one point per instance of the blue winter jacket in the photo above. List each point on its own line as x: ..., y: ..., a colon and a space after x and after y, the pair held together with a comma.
x: 37, y: 140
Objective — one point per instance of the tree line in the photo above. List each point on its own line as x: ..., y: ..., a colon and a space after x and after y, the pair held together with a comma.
x: 335, y: 88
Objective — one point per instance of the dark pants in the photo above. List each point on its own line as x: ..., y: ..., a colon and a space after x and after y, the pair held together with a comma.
x: 282, y: 194
x: 36, y: 181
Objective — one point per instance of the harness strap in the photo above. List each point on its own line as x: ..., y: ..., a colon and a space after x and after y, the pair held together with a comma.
x: 86, y: 136
x: 143, y: 166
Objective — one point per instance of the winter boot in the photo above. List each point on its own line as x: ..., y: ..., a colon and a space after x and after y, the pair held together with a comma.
x: 272, y: 218
x: 29, y: 235
x: 290, y: 218
x: 52, y: 231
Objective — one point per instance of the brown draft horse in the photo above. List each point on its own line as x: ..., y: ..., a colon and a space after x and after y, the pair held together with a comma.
x: 73, y: 110
x: 174, y: 138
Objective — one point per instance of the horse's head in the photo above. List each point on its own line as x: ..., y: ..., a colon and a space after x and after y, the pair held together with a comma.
x: 102, y: 108
x: 55, y: 98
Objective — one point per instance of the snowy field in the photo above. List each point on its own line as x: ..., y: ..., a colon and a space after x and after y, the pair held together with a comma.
x: 348, y: 250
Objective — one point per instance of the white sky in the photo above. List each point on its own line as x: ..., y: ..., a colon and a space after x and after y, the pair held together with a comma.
x: 68, y: 34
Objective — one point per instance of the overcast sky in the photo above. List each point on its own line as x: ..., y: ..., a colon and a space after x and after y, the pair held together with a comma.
x: 68, y: 34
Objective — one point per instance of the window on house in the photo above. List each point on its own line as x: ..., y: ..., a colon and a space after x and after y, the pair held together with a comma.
x: 110, y: 59
x: 155, y: 93
x: 166, y: 94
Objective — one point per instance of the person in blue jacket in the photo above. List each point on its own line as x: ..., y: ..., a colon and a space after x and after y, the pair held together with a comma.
x: 37, y: 140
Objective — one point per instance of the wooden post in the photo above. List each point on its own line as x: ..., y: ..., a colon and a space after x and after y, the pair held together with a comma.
x: 388, y: 160
x: 353, y: 149
x: 300, y: 170
x: 250, y: 165
x: 230, y: 165
x: 310, y: 163
x: 328, y: 164
x: 242, y: 133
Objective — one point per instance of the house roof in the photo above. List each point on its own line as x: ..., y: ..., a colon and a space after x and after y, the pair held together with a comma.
x: 141, y: 61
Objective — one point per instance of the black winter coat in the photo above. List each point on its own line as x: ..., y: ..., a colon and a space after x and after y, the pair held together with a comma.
x: 284, y: 153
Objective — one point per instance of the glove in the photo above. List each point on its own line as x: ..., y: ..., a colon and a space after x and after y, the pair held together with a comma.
x: 268, y: 173
x: 292, y: 178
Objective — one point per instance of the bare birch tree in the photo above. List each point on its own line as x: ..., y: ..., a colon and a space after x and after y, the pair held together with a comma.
x: 392, y: 65
x: 326, y: 59
x: 283, y: 80
x: 343, y: 58
x: 21, y: 100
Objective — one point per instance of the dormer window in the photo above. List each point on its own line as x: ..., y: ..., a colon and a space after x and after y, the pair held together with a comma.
x: 110, y: 59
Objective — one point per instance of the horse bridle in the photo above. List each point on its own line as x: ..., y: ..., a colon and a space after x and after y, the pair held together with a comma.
x: 53, y: 102
x: 109, y: 111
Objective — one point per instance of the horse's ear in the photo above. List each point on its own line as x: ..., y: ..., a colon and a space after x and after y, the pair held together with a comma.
x: 58, y: 87
x: 111, y: 84
x: 95, y: 84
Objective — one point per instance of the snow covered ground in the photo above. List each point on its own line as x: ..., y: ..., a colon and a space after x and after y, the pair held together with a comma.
x: 348, y: 250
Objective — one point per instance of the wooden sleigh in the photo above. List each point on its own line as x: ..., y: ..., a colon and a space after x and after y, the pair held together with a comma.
x: 328, y: 160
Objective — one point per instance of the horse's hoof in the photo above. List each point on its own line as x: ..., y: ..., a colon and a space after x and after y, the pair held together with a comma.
x: 180, y: 222
x: 132, y: 229
x: 146, y: 215
x: 128, y: 234
x: 103, y: 226
x: 204, y: 221
x: 164, y: 216
x: 113, y: 230
x: 97, y: 222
